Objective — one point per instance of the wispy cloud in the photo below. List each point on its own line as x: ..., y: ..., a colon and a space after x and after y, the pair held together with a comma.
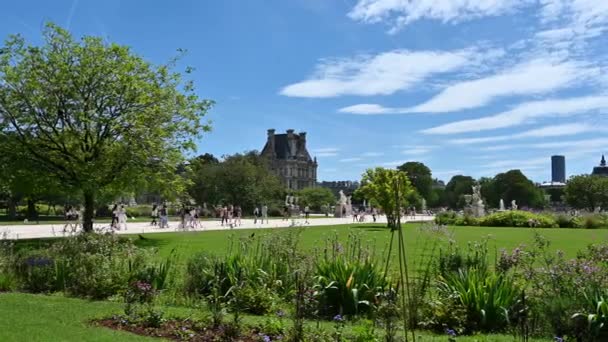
x: 349, y: 160
x: 381, y: 74
x: 399, y: 13
x: 539, y: 76
x: 373, y: 154
x: 526, y: 113
x: 71, y: 14
x: 416, y: 151
x: 325, y: 151
x: 542, y: 132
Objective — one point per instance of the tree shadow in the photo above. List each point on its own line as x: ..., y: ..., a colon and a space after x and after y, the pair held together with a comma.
x: 371, y: 227
x: 148, y: 241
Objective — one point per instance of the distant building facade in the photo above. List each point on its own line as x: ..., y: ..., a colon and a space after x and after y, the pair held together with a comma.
x: 335, y: 186
x: 558, y: 169
x: 290, y: 160
x: 602, y: 169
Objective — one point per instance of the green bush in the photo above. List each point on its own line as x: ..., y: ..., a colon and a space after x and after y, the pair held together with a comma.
x: 35, y: 272
x: 446, y: 218
x: 486, y: 298
x: 518, y: 218
x: 589, y: 221
x: 347, y: 279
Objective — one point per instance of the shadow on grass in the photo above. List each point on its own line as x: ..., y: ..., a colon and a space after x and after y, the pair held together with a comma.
x: 371, y: 227
x: 147, y: 241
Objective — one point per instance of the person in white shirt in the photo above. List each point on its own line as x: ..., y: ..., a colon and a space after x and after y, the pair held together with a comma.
x: 264, y: 213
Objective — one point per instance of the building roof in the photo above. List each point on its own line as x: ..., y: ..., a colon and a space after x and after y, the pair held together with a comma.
x: 602, y: 169
x: 282, y: 149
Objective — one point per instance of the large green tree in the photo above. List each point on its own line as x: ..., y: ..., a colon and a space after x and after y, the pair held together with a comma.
x: 455, y: 190
x: 420, y: 177
x: 380, y: 186
x: 587, y: 192
x: 512, y: 185
x: 316, y: 198
x: 240, y: 179
x: 96, y: 116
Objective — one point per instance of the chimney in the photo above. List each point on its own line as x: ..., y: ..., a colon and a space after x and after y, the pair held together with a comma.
x: 303, y: 139
x: 291, y: 143
x: 271, y: 140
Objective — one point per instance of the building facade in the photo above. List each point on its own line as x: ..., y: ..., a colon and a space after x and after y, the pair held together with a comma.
x: 348, y: 187
x: 289, y: 159
x: 602, y: 169
x: 558, y: 169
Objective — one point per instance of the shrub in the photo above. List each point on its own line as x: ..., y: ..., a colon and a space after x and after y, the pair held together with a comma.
x: 589, y: 221
x: 518, y: 218
x: 347, y: 279
x: 36, y: 272
x: 486, y: 297
x: 446, y: 218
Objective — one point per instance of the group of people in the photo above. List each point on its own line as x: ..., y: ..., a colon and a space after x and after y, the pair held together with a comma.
x: 361, y: 214
x: 119, y: 217
x: 290, y: 210
x: 73, y: 218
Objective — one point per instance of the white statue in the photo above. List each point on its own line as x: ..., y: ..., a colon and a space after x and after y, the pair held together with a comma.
x: 343, y: 198
x: 501, y: 205
x: 287, y: 200
x: 296, y: 200
x: 348, y: 202
x: 513, y: 205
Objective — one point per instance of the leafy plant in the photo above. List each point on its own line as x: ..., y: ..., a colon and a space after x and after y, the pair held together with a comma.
x: 487, y: 298
x: 347, y: 279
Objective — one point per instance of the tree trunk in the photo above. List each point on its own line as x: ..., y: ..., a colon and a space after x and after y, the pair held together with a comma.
x: 32, y: 213
x: 12, y: 208
x: 89, y: 211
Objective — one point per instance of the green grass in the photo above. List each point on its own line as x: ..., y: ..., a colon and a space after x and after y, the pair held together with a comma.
x: 32, y: 318
x: 570, y: 241
x: 54, y: 318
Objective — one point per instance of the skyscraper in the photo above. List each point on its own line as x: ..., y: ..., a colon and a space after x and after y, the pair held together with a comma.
x: 558, y: 169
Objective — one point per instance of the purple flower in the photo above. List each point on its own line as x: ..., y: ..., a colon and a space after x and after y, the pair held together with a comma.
x: 450, y: 332
x: 266, y: 338
x: 281, y: 313
x: 558, y: 339
x: 338, y: 318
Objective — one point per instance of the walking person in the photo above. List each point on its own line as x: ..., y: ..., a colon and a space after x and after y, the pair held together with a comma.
x: 256, y: 215
x: 164, y: 217
x: 154, y: 215
x: 122, y: 217
x: 264, y: 213
x: 307, y: 213
x: 114, y: 223
x: 374, y: 214
x: 224, y: 215
x: 239, y: 214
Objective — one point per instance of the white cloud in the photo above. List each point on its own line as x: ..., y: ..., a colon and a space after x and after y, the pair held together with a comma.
x: 543, y: 132
x: 325, y: 151
x: 525, y: 113
x: 538, y: 76
x: 373, y: 154
x: 381, y: 74
x: 516, y: 163
x: 349, y: 160
x: 403, y: 12
x: 366, y: 109
x: 416, y: 151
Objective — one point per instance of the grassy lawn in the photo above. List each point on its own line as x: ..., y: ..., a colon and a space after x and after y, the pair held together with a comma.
x: 26, y: 317
x: 570, y: 241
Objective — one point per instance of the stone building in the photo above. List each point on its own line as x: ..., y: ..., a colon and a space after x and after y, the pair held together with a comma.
x: 602, y: 169
x: 290, y: 160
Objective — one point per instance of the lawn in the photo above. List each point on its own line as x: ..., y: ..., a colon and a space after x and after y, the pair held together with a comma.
x: 27, y: 317
x: 570, y: 241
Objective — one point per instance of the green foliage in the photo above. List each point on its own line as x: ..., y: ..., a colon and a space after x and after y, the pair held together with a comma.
x: 378, y: 185
x: 518, y: 218
x: 256, y: 269
x: 420, y: 178
x: 347, y: 278
x: 316, y: 198
x: 240, y: 179
x: 512, y: 185
x: 96, y: 117
x: 90, y: 266
x: 455, y: 190
x: 587, y: 192
x: 597, y: 318
x: 486, y: 298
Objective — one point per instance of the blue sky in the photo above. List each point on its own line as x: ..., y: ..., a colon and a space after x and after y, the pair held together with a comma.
x: 467, y: 87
